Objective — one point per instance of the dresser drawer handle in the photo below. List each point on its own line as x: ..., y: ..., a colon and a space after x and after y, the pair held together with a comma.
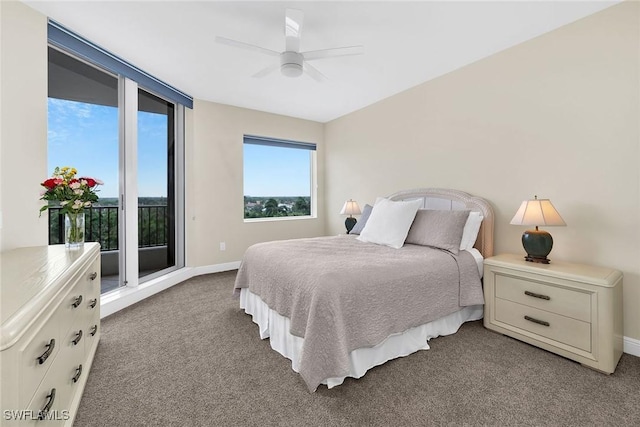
x: 533, y: 294
x: 94, y: 329
x: 47, y: 353
x: 93, y: 303
x: 93, y: 276
x: 52, y: 396
x: 77, y: 302
x: 78, y: 338
x: 539, y: 322
x: 76, y: 377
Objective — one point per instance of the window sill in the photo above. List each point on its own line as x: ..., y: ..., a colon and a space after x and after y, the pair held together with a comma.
x: 279, y: 218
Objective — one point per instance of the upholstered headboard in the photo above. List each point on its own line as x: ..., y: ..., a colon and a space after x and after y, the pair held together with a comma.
x: 445, y: 199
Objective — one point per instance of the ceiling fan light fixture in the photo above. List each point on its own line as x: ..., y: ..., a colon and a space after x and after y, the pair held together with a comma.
x: 291, y: 64
x: 291, y: 70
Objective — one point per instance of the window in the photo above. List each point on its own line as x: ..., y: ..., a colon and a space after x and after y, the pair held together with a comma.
x: 279, y: 177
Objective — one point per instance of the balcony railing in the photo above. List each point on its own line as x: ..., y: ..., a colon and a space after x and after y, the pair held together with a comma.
x: 101, y: 225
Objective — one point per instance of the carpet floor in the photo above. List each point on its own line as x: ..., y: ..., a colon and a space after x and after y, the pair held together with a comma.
x: 189, y: 356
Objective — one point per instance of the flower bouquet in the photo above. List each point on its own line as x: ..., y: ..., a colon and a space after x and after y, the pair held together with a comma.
x: 73, y: 196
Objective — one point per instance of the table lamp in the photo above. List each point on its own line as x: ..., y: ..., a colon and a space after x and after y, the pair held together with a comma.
x: 350, y: 208
x: 537, y: 243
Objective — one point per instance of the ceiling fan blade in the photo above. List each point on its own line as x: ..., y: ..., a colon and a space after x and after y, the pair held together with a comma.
x: 292, y: 29
x: 314, y: 73
x: 330, y: 53
x: 266, y: 71
x: 247, y: 46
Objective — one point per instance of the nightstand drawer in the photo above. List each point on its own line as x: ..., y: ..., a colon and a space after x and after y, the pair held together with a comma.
x: 565, y: 302
x: 550, y: 325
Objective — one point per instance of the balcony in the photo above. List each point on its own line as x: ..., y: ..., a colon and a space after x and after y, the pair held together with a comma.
x: 101, y: 225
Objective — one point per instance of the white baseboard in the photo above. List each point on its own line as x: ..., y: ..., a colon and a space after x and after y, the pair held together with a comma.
x: 124, y: 297
x: 216, y: 268
x: 631, y: 346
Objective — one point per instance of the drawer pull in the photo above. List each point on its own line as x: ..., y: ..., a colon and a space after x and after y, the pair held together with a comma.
x: 93, y: 276
x: 94, y: 329
x: 78, y: 338
x: 52, y: 396
x: 93, y: 303
x: 534, y: 320
x: 43, y: 358
x: 533, y: 294
x: 76, y: 377
x: 77, y: 302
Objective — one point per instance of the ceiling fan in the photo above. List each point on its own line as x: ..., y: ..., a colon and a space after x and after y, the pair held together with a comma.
x: 292, y: 62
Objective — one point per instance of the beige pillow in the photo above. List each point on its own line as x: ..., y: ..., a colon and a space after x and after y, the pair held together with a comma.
x: 439, y: 229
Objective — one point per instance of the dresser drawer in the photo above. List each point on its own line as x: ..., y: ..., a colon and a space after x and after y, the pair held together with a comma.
x: 56, y: 386
x: 72, y: 305
x: 565, y: 302
x: 37, y: 356
x: 562, y: 329
x: 92, y: 326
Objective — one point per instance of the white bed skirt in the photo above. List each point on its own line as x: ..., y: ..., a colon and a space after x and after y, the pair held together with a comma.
x: 276, y: 327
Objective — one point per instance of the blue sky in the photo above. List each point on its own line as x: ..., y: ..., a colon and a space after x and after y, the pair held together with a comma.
x: 85, y: 136
x: 276, y: 171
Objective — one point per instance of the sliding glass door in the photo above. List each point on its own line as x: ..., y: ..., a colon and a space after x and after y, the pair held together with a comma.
x: 156, y: 184
x: 109, y: 128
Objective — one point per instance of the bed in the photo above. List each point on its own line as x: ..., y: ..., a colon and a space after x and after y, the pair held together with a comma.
x: 337, y: 306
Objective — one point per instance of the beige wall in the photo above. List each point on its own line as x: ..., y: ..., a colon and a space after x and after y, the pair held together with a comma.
x: 215, y: 203
x: 23, y: 124
x: 556, y: 116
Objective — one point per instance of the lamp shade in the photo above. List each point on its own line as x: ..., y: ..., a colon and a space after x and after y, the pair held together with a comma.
x: 537, y: 243
x: 537, y: 212
x: 350, y: 208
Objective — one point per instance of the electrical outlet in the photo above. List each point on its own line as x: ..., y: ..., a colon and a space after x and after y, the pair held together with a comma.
x: 223, y: 246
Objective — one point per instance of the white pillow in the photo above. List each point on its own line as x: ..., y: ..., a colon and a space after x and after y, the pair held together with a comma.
x: 389, y: 222
x: 470, y: 232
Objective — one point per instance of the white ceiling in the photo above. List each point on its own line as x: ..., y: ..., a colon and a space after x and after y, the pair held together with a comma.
x: 406, y: 43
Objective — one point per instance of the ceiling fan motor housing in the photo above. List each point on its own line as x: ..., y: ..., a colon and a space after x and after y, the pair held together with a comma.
x: 291, y: 64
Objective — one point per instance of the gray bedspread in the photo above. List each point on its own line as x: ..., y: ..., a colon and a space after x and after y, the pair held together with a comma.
x: 342, y: 294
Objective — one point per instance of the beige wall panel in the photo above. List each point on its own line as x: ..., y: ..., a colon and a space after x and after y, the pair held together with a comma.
x: 23, y: 124
x: 556, y: 117
x: 215, y: 202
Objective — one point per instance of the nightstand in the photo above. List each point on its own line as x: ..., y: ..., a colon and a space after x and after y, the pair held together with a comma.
x: 569, y: 309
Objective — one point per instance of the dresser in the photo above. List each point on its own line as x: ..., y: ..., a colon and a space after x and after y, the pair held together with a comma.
x: 50, y: 313
x: 570, y: 309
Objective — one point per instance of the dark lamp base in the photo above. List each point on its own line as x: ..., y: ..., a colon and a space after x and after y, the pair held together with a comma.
x: 350, y: 223
x: 544, y: 260
x: 537, y: 244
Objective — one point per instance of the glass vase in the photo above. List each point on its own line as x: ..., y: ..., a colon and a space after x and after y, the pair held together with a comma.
x: 74, y: 230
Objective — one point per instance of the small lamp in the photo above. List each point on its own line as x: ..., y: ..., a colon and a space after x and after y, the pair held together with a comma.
x: 350, y: 208
x: 538, y: 212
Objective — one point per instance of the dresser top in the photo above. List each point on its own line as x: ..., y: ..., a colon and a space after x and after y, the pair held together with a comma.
x: 31, y: 279
x: 600, y: 276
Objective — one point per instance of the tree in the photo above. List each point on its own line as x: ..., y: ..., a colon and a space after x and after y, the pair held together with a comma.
x: 271, y: 208
x: 301, y: 206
